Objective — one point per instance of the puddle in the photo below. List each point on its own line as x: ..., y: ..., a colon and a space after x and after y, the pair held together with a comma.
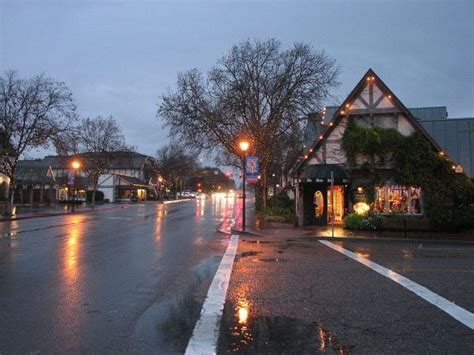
x: 246, y: 254
x: 269, y: 260
x: 242, y: 331
x: 257, y: 241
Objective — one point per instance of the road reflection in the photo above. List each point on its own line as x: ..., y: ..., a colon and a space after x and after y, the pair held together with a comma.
x: 71, y: 252
x: 162, y: 212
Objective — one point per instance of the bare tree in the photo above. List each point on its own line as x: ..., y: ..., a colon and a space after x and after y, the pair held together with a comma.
x: 33, y: 113
x: 176, y: 164
x: 96, y: 142
x: 258, y: 90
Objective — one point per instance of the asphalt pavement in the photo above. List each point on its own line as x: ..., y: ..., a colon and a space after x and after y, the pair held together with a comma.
x: 296, y: 295
x: 131, y: 279
x: 134, y: 280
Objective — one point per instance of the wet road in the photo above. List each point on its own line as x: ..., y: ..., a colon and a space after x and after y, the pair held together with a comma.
x: 128, y: 279
x: 296, y: 295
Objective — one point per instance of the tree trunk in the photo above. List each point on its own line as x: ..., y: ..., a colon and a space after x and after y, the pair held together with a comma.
x: 8, y: 211
x: 93, y: 194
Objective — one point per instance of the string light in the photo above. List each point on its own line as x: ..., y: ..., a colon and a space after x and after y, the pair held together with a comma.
x: 347, y: 105
x: 342, y: 112
x: 330, y: 123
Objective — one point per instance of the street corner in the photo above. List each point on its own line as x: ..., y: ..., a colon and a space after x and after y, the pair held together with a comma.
x: 268, y: 305
x: 298, y: 294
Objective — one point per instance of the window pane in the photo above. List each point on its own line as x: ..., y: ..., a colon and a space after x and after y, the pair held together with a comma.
x: 380, y: 199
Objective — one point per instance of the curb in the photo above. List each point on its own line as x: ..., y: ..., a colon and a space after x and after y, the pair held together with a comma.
x: 54, y: 214
x: 363, y: 239
x: 389, y: 240
x: 248, y: 232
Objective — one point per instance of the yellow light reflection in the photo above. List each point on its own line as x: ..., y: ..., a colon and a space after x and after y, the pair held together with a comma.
x: 72, y: 248
x: 72, y: 251
x: 363, y: 255
x: 159, y: 222
x: 243, y: 315
x: 325, y: 339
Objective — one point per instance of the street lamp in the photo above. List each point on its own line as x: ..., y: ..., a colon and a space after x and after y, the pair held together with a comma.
x: 244, y: 146
x: 75, y: 166
x: 160, y: 180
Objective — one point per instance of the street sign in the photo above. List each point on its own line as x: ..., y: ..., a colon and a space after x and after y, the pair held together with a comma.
x: 251, y: 169
x: 70, y: 178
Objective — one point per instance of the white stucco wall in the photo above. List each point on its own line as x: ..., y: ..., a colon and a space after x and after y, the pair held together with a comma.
x: 404, y: 127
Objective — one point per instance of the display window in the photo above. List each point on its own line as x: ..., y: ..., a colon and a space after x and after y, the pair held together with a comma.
x: 398, y: 199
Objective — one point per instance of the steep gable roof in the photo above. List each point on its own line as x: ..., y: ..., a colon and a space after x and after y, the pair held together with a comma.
x: 356, y: 102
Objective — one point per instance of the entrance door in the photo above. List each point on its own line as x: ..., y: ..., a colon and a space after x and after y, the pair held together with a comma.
x: 315, y: 207
x: 336, y: 201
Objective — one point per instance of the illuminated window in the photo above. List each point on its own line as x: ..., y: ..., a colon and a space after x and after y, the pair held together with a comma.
x: 318, y: 202
x: 398, y: 199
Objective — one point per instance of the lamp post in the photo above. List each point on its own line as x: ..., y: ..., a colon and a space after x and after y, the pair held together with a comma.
x: 244, y: 146
x: 75, y: 166
x: 160, y: 180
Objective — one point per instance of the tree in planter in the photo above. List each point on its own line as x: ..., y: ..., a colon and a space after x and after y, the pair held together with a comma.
x: 33, y: 113
x: 96, y: 142
x: 176, y: 164
x: 258, y: 90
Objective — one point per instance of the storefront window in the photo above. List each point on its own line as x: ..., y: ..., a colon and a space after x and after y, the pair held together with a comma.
x: 398, y: 199
x: 318, y: 202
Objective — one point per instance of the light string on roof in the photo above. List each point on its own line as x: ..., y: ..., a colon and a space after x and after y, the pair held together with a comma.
x: 343, y: 112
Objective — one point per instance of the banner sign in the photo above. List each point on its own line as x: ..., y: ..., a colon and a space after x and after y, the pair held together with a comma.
x: 70, y: 178
x: 251, y: 169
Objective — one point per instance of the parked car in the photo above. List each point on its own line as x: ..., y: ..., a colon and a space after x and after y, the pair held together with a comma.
x: 188, y: 194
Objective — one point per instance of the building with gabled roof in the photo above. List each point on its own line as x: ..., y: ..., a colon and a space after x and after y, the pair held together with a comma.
x: 129, y: 174
x: 370, y: 104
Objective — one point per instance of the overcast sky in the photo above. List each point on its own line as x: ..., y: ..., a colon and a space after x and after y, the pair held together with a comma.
x: 118, y: 57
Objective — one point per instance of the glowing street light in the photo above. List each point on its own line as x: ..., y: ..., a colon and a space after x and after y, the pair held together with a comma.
x: 76, y: 165
x: 244, y: 146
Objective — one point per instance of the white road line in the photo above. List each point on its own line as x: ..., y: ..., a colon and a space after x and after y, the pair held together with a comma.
x: 206, y: 331
x: 176, y: 201
x: 458, y: 313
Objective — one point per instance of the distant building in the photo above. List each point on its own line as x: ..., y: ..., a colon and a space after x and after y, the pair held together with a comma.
x: 48, y: 179
x: 210, y: 179
x: 370, y: 104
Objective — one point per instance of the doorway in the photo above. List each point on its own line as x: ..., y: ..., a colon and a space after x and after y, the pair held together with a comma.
x: 335, y: 202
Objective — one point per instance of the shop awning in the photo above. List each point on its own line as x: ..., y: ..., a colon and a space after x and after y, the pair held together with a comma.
x: 322, y: 174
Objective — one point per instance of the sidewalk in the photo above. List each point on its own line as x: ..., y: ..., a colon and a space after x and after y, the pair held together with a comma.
x: 259, y: 227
